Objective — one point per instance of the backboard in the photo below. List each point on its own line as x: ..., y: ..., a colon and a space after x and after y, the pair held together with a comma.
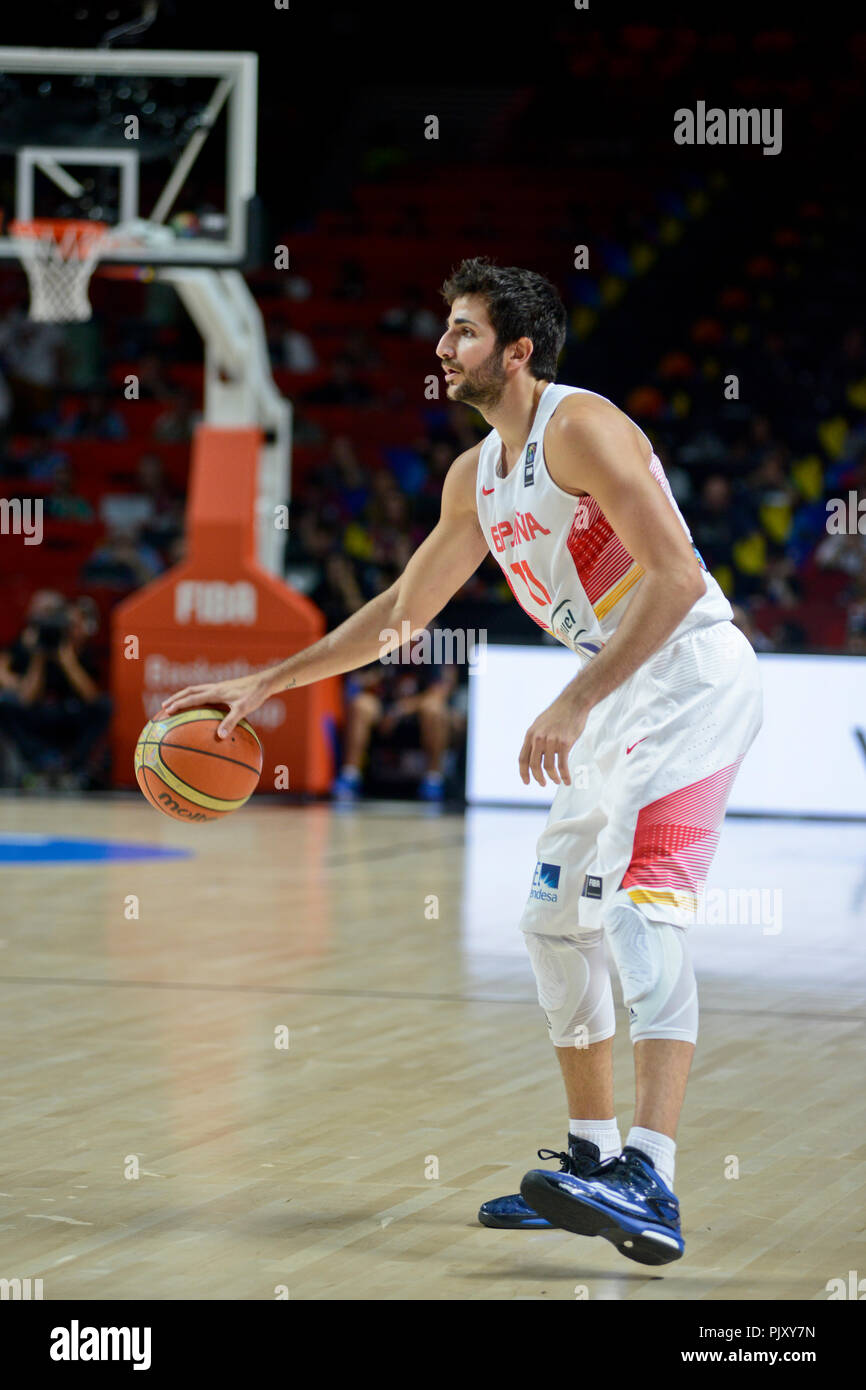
x: 129, y: 136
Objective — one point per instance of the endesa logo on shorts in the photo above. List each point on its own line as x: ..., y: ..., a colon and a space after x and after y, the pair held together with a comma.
x: 525, y: 528
x: 545, y: 883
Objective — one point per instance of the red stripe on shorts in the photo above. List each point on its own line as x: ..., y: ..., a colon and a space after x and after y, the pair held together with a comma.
x: 675, y: 837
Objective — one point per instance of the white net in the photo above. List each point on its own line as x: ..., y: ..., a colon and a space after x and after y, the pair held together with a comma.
x: 59, y: 261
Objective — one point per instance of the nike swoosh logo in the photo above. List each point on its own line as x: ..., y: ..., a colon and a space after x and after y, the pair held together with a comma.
x: 487, y: 490
x: 634, y: 745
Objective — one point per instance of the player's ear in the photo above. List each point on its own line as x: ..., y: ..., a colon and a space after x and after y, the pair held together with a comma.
x: 521, y: 351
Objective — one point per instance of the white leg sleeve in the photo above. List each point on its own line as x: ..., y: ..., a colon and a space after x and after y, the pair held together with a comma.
x: 573, y: 987
x: 655, y: 968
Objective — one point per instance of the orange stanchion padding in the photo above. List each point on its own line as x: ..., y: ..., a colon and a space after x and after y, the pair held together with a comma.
x: 216, y: 615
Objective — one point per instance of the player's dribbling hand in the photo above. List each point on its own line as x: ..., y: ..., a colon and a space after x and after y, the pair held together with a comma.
x: 550, y: 739
x: 242, y: 696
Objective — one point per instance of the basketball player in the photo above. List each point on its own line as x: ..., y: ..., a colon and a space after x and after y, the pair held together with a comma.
x: 642, y: 745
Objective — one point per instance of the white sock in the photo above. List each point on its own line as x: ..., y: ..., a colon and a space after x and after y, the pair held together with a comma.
x: 604, y: 1133
x: 434, y: 777
x: 659, y: 1147
x: 349, y: 771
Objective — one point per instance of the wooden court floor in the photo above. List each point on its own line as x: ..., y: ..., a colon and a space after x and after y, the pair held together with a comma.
x: 316, y: 1050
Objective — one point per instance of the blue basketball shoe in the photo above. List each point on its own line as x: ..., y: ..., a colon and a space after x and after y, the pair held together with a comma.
x: 431, y: 788
x: 513, y: 1213
x: 347, y: 787
x: 626, y: 1202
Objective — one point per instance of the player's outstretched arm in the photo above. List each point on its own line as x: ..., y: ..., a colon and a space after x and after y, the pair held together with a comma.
x: 439, y: 567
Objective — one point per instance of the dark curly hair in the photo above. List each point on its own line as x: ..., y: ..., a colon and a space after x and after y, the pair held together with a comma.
x: 520, y: 303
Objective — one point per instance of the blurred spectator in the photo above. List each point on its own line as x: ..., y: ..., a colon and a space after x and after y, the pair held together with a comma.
x: 464, y: 426
x: 32, y: 459
x: 679, y: 478
x: 154, y: 509
x: 397, y: 700
x: 782, y: 584
x: 153, y: 382
x: 383, y: 533
x: 352, y: 282
x: 712, y: 524
x: 52, y: 714
x: 770, y: 484
x: 427, y: 502
x: 759, y: 437
x: 315, y: 526
x: 177, y: 424
x: 296, y: 287
x: 409, y: 466
x: 359, y: 352
x: 164, y: 520
x: 32, y: 356
x: 338, y: 592
x: 343, y: 387
x: 789, y: 636
x: 343, y: 477
x: 97, y: 418
x: 298, y: 353
x: 850, y: 472
x: 411, y: 318
x: 123, y: 560
x: 391, y: 531
x: 63, y: 503
x: 313, y: 536
x: 743, y: 620
x: 844, y: 551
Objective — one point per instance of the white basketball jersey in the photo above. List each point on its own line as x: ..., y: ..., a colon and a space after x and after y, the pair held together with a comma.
x: 559, y: 554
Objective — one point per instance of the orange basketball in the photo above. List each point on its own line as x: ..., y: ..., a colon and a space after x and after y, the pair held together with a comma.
x: 188, y: 773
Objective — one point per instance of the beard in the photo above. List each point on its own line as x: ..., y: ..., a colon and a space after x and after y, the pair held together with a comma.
x: 484, y: 386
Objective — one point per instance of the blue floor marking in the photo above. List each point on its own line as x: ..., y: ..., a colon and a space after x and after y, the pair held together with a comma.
x: 52, y: 849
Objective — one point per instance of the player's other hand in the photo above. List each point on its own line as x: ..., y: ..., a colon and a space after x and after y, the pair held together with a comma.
x: 550, y: 739
x: 242, y: 696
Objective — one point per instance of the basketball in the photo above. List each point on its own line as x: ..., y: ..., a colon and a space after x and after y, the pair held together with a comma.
x: 188, y: 773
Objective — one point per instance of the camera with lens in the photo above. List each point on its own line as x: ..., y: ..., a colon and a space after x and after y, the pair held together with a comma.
x: 51, y: 631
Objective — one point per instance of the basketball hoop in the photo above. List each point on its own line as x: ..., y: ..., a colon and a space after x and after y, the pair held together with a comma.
x: 59, y: 256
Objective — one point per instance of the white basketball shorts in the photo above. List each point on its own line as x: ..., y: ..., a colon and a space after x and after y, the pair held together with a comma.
x: 651, y: 775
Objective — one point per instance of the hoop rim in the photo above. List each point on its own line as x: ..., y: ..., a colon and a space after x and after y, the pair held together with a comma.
x: 75, y: 235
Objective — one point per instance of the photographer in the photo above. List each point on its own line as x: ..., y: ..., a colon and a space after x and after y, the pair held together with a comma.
x: 51, y: 709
